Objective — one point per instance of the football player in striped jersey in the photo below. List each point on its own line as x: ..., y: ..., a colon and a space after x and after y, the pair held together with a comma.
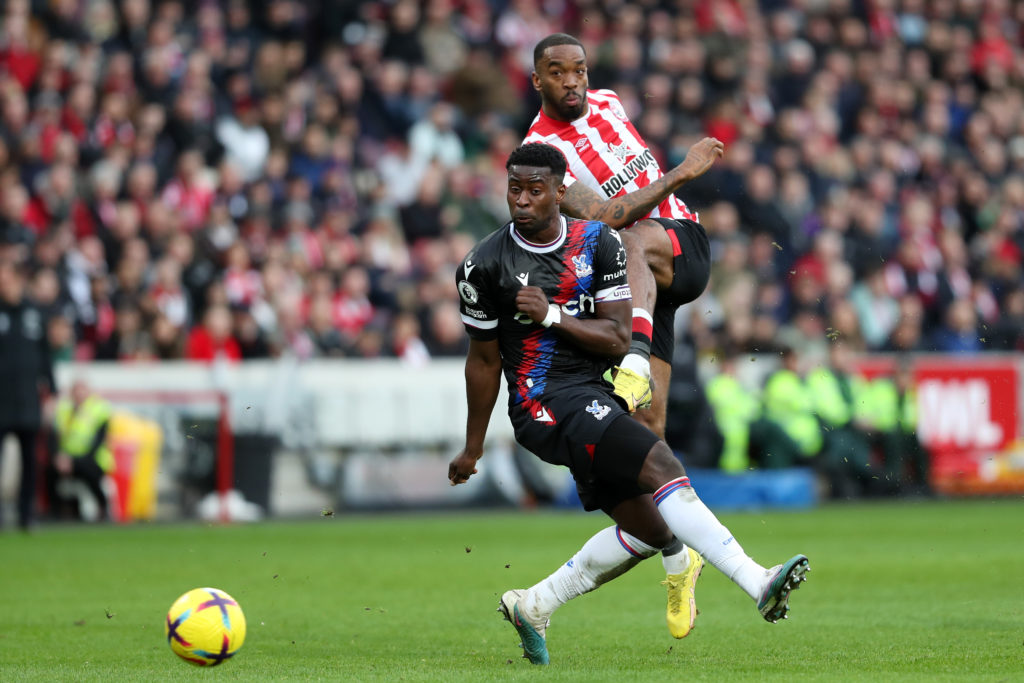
x: 613, y: 177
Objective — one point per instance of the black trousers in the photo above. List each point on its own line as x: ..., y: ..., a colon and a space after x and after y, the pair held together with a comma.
x: 27, y: 440
x: 86, y: 470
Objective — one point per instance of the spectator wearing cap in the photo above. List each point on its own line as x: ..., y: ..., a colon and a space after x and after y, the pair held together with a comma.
x: 246, y: 143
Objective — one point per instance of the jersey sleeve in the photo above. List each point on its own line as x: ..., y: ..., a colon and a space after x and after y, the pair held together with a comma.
x: 612, y: 284
x: 479, y: 310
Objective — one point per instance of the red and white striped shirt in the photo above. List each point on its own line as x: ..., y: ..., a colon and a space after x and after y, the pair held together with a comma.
x: 605, y: 152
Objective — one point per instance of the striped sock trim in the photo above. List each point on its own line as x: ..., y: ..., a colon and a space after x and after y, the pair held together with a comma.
x: 641, y: 313
x: 642, y: 324
x: 629, y: 549
x: 670, y: 488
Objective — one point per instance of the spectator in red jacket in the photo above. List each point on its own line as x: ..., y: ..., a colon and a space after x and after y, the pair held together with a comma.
x: 212, y: 340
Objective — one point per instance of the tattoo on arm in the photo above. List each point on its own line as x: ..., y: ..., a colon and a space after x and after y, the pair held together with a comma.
x: 618, y: 212
x: 581, y: 202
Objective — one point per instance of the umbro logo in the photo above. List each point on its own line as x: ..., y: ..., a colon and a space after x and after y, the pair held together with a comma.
x: 582, y: 144
x: 524, y: 279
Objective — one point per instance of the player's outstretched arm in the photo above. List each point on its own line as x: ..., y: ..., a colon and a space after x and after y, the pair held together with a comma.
x: 483, y: 381
x: 621, y: 212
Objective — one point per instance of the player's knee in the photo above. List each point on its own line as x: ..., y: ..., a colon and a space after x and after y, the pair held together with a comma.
x: 633, y: 242
x: 649, y: 529
x: 643, y: 236
x: 659, y: 536
x: 651, y: 418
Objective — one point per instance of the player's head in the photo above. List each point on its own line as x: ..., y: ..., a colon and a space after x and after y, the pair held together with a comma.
x: 560, y: 76
x: 535, y: 188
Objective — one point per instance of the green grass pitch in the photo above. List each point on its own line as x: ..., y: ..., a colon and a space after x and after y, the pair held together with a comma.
x: 898, y: 591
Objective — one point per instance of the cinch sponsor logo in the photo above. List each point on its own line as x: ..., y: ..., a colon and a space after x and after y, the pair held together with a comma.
x: 634, y: 168
x: 583, y: 303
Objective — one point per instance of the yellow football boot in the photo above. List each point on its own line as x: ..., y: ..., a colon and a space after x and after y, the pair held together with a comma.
x: 633, y: 388
x: 682, y: 606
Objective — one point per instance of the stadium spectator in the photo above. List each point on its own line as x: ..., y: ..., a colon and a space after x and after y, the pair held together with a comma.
x: 129, y: 340
x: 905, y: 462
x: 749, y: 438
x: 246, y: 143
x: 842, y: 402
x: 959, y: 332
x: 212, y: 340
x: 894, y: 129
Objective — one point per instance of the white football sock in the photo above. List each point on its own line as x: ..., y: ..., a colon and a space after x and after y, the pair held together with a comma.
x: 637, y: 363
x: 674, y: 558
x: 609, y: 553
x: 694, y: 524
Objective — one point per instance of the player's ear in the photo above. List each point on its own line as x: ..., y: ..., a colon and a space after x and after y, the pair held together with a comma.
x: 560, y: 192
x: 536, y: 80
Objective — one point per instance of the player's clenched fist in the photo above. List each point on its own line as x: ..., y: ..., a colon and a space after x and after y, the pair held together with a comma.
x: 533, y: 302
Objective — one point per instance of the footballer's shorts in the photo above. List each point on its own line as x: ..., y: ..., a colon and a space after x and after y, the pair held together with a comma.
x: 691, y: 270
x: 587, y: 430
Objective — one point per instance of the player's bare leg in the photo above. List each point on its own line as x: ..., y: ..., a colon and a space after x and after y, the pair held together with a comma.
x: 654, y: 417
x: 649, y: 267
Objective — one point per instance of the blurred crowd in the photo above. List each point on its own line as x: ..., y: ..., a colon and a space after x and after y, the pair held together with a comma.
x: 252, y: 178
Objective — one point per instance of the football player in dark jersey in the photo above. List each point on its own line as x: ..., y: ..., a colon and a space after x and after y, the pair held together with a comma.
x: 545, y: 300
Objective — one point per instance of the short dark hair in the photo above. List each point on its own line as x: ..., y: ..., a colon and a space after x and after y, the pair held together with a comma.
x: 540, y: 155
x: 553, y: 40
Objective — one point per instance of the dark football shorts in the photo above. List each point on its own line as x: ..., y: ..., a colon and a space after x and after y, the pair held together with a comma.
x: 590, y: 433
x: 691, y: 270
